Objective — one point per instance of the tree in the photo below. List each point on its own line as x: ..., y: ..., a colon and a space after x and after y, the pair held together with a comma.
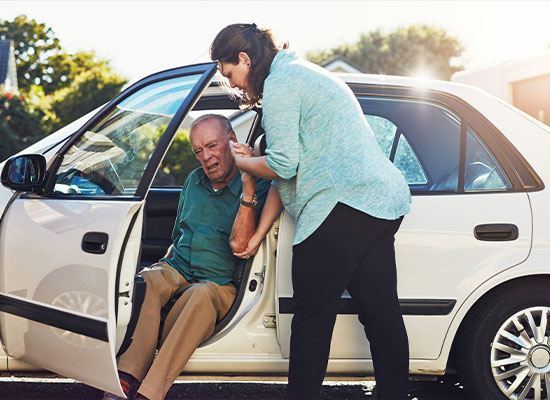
x: 20, y: 124
x: 86, y: 89
x: 64, y: 68
x: 33, y: 44
x: 56, y: 87
x: 416, y: 50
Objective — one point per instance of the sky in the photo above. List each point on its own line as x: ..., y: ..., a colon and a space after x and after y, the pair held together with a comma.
x: 143, y: 37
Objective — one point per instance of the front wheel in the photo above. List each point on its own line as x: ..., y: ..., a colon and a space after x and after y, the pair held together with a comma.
x: 504, y: 347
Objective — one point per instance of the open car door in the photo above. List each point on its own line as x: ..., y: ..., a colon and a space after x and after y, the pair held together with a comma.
x: 69, y: 249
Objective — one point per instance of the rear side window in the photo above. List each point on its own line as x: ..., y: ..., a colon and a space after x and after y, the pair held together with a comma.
x: 403, y: 156
x: 482, y: 171
x: 423, y: 139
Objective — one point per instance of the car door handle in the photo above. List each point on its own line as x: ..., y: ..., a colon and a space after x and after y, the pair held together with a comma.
x: 496, y: 232
x: 95, y: 242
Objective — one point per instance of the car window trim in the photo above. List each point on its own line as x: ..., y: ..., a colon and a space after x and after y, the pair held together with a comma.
x: 462, y: 156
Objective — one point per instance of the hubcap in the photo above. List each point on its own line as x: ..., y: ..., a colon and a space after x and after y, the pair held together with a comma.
x: 539, y: 357
x: 520, y: 355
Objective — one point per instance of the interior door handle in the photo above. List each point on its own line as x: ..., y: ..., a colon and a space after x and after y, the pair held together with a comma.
x: 496, y: 232
x: 95, y: 242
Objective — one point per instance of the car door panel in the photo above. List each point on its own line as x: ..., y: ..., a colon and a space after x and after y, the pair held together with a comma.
x: 68, y: 256
x: 73, y: 295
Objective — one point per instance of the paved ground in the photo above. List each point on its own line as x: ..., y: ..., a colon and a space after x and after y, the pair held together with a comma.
x: 57, y: 389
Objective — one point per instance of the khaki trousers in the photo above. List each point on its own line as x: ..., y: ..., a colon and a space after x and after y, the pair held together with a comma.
x: 190, y: 321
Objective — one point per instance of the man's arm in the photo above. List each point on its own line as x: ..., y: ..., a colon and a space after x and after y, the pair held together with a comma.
x: 176, y: 232
x: 272, y: 209
x: 245, y: 221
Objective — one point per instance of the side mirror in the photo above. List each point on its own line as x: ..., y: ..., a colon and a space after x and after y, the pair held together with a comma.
x: 24, y: 173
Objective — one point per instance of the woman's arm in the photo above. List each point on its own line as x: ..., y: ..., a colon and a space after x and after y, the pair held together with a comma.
x: 271, y: 211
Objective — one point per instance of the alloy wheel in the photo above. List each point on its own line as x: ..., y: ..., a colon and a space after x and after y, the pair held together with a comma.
x: 520, y: 355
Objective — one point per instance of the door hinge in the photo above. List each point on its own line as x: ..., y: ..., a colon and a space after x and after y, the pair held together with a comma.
x: 270, y: 321
x: 261, y: 275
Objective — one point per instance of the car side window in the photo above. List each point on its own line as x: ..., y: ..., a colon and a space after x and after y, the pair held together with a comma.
x: 404, y: 156
x: 482, y: 171
x: 111, y: 156
x: 421, y: 138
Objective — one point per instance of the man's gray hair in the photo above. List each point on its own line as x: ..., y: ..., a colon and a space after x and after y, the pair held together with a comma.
x: 223, y: 120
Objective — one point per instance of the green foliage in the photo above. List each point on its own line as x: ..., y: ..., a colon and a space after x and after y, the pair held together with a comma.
x: 58, y: 87
x: 33, y: 44
x: 416, y: 50
x: 65, y: 68
x: 178, y: 162
x: 20, y: 124
x: 86, y: 89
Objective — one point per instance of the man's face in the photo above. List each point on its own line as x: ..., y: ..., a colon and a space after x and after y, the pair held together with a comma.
x: 211, y: 147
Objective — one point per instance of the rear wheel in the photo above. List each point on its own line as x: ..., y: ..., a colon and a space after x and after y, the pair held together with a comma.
x: 504, y: 347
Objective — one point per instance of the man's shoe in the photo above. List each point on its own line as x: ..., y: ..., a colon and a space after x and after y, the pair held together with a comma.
x: 129, y: 384
x: 110, y: 396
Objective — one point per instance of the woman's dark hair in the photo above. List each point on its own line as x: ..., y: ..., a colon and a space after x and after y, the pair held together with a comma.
x: 261, y: 47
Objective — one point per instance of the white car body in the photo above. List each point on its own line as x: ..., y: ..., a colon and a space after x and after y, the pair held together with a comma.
x: 444, y: 271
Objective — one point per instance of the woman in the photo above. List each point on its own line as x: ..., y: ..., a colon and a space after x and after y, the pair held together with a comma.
x: 347, y: 198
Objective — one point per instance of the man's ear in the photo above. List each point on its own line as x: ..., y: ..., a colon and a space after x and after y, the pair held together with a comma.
x: 244, y: 58
x: 233, y: 136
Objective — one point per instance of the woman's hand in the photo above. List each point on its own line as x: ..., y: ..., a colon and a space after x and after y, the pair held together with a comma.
x: 252, y: 247
x: 247, y: 162
x: 240, y: 150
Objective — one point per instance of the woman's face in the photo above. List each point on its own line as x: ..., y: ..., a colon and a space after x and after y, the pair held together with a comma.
x: 237, y: 74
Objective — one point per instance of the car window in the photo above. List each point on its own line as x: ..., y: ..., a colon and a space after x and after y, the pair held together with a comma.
x: 421, y: 138
x: 111, y: 156
x: 404, y: 157
x: 180, y: 159
x: 407, y: 161
x: 482, y: 170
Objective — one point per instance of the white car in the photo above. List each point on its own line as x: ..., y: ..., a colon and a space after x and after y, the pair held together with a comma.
x: 85, y: 211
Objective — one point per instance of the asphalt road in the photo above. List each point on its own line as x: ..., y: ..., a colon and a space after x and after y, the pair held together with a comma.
x: 50, y: 390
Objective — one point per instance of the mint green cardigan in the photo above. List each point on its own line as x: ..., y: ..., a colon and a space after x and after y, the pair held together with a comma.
x: 320, y: 144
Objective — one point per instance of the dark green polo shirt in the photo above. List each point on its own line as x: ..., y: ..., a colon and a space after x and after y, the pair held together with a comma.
x: 203, y: 226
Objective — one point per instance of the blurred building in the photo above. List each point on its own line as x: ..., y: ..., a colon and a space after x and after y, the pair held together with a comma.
x: 8, y: 73
x: 339, y: 64
x: 525, y: 84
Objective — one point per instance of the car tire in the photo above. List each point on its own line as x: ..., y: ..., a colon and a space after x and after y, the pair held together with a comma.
x: 503, y: 348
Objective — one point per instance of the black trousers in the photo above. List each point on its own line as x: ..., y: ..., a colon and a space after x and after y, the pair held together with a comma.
x: 350, y: 250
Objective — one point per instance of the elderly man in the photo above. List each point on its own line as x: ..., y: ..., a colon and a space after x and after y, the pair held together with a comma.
x: 199, y: 265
